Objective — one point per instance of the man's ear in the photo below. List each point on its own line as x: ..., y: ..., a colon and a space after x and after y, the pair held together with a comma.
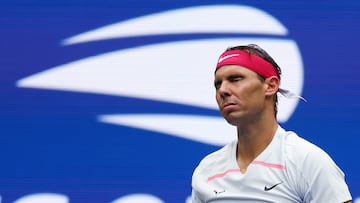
x: 272, y: 87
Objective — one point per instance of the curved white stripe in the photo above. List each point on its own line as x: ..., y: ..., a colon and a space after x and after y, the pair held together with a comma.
x: 43, y: 198
x: 204, y: 129
x: 138, y: 198
x: 171, y: 72
x: 202, y: 19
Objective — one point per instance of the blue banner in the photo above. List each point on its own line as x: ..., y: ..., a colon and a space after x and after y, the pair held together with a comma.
x: 113, y: 101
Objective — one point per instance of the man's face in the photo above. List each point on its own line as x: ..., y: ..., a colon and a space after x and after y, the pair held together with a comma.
x: 240, y: 94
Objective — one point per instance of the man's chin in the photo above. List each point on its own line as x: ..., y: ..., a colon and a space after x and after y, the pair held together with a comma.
x: 232, y: 120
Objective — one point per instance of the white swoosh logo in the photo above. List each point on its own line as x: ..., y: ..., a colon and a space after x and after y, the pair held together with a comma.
x: 226, y: 57
x: 100, y: 74
x: 184, y: 126
x: 204, y: 19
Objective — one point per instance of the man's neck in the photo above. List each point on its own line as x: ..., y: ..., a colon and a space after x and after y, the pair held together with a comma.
x: 252, y: 140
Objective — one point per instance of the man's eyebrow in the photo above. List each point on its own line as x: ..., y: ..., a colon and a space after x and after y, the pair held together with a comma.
x: 235, y: 75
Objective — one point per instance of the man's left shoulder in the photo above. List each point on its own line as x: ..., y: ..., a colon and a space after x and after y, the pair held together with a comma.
x: 300, y: 150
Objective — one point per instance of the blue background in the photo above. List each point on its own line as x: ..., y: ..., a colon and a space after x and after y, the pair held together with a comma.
x: 50, y: 141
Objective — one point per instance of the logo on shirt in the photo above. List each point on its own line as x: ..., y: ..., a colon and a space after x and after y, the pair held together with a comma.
x: 271, y: 187
x: 218, y: 191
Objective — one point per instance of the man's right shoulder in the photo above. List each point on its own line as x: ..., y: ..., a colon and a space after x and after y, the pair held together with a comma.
x: 216, y: 158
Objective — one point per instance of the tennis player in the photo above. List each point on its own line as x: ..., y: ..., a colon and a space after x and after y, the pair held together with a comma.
x: 265, y: 163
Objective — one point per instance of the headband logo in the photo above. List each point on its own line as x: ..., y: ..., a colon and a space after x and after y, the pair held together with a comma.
x: 226, y: 57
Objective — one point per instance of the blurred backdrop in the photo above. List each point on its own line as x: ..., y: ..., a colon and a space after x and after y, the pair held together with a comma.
x: 113, y: 101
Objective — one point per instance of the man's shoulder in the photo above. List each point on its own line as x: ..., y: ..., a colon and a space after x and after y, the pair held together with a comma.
x: 294, y: 142
x: 217, y: 158
x: 302, y: 152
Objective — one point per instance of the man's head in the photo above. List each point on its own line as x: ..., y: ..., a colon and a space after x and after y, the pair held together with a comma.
x: 253, y: 58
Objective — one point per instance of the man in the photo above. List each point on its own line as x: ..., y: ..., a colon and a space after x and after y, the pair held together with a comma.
x: 265, y: 163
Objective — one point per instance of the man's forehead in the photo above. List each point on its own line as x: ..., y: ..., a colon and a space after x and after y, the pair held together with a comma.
x: 233, y: 69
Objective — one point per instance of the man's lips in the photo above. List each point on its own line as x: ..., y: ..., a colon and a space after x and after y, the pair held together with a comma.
x: 228, y: 106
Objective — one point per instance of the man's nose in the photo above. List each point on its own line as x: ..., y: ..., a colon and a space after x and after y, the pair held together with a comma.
x: 224, y: 90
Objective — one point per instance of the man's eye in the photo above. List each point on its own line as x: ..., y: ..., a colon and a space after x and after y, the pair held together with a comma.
x: 234, y: 79
x: 217, y: 85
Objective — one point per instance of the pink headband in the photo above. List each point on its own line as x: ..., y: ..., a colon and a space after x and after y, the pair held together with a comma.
x: 247, y: 60
x: 254, y: 63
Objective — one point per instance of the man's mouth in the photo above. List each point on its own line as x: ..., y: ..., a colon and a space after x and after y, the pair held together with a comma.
x: 228, y: 105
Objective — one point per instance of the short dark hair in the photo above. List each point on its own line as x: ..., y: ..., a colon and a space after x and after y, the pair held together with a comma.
x: 257, y: 50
